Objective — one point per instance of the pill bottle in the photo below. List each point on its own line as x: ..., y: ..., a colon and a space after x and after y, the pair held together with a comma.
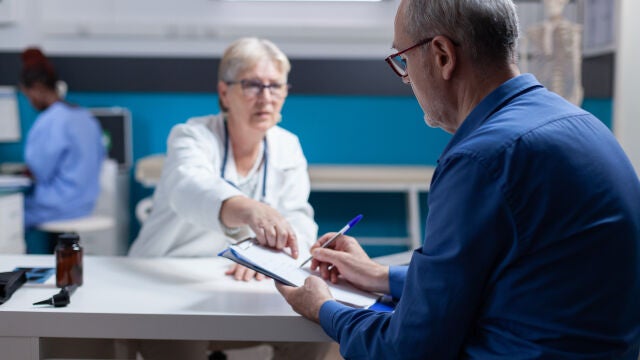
x: 68, y: 260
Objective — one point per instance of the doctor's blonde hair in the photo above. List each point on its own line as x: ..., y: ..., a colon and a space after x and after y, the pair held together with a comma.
x: 246, y: 53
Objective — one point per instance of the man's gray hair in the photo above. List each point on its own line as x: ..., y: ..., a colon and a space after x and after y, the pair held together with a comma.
x: 245, y: 53
x: 486, y: 29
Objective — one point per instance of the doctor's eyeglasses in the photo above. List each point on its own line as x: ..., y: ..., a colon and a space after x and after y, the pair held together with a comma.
x: 252, y: 88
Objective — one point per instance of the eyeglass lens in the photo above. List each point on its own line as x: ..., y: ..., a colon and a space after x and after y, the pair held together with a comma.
x: 399, y: 64
x: 253, y: 88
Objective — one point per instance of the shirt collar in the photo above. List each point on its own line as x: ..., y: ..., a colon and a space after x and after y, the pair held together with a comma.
x: 493, y: 102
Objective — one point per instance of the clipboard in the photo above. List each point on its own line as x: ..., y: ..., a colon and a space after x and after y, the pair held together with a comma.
x: 233, y: 255
x: 281, y: 267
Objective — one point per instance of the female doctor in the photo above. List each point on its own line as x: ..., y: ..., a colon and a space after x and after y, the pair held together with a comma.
x: 63, y: 152
x: 236, y: 174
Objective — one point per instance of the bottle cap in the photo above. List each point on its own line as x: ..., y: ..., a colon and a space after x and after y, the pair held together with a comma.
x: 68, y: 238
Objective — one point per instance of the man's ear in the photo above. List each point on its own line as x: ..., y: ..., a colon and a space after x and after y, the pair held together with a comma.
x: 445, y: 56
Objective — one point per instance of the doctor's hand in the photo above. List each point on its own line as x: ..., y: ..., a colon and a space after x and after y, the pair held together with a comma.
x: 271, y: 228
x: 345, y: 258
x: 243, y: 273
x: 307, y: 299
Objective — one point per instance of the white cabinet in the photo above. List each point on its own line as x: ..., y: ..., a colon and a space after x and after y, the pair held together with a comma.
x: 11, y: 223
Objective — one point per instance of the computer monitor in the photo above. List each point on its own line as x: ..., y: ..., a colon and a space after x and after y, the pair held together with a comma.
x: 116, y: 134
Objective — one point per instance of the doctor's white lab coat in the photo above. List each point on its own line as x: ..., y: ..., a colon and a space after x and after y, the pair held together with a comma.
x: 185, y: 221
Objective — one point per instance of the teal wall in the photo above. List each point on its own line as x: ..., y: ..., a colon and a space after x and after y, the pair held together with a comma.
x: 333, y: 130
x: 601, y: 108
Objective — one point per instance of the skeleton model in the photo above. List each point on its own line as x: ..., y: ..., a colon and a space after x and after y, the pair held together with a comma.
x: 551, y: 50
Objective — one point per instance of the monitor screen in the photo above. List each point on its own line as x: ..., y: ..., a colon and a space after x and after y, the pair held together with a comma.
x: 116, y: 133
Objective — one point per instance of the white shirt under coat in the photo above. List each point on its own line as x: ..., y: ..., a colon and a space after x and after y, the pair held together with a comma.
x: 185, y: 219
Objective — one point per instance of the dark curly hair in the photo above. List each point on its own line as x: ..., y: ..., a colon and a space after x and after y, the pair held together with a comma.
x: 36, y: 68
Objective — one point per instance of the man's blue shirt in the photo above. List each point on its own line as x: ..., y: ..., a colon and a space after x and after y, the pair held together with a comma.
x: 532, y: 244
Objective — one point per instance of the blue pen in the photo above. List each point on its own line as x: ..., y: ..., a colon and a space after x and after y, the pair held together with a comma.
x: 346, y: 228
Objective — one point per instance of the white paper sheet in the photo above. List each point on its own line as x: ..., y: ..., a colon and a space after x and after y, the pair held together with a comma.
x: 284, y: 266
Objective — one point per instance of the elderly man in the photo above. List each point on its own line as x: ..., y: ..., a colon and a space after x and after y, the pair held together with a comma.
x: 532, y: 244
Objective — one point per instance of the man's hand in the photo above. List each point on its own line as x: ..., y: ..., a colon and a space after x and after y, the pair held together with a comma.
x: 307, y: 299
x: 240, y: 272
x: 346, y: 258
x: 271, y: 228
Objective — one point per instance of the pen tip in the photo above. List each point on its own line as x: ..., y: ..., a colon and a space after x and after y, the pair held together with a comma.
x: 355, y: 220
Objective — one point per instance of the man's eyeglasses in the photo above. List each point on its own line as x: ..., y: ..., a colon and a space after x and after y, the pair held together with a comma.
x: 253, y: 88
x: 398, y: 64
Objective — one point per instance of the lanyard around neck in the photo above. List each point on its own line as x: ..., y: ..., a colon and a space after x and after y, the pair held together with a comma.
x: 265, y: 157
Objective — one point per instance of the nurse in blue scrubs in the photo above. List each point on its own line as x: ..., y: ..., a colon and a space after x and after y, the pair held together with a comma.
x: 63, y: 152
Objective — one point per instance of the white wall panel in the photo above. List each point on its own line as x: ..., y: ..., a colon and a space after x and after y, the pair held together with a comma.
x: 205, y: 27
x: 199, y: 27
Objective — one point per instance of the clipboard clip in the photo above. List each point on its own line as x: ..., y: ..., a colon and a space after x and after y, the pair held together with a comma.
x: 246, y: 243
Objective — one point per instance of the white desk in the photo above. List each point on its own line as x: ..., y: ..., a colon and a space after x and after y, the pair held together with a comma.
x: 126, y: 298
